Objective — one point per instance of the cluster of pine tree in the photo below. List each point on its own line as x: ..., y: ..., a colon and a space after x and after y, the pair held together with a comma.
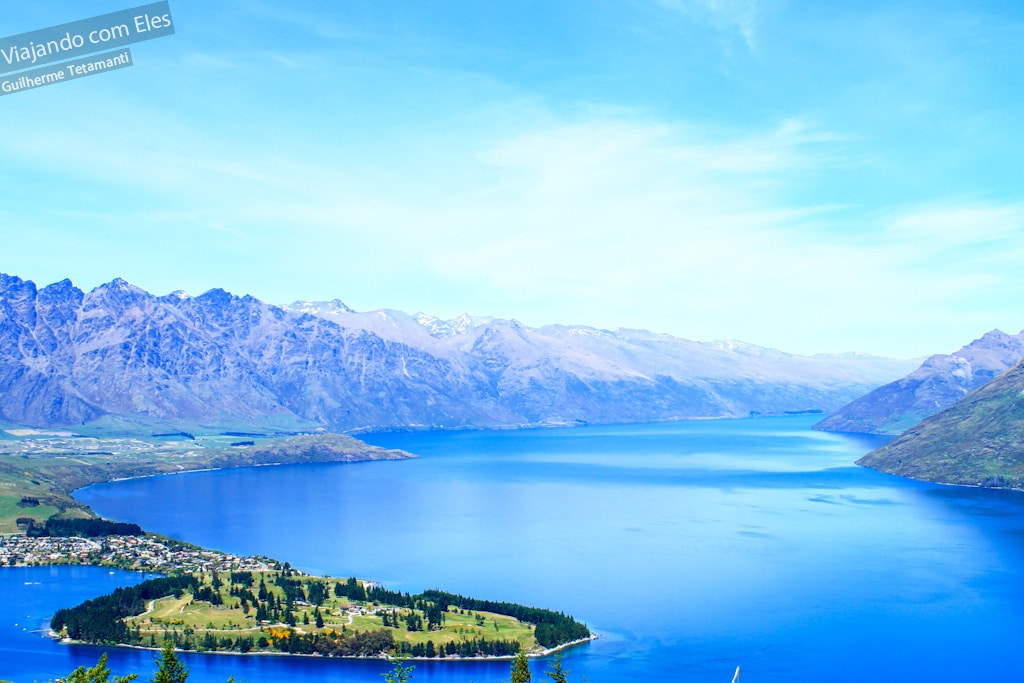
x: 293, y: 591
x: 271, y: 608
x: 89, y: 528
x: 351, y: 589
x: 212, y: 643
x: 468, y: 647
x: 552, y: 628
x: 245, y: 596
x: 207, y: 594
x: 100, y: 620
x: 333, y: 644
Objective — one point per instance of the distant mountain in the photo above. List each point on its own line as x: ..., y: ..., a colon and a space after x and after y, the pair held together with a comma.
x: 979, y: 441
x: 443, y: 329
x: 940, y: 382
x: 68, y: 357
x: 596, y: 375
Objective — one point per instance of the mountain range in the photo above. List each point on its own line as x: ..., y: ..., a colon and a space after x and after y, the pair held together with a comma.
x: 117, y: 352
x: 978, y: 441
x: 941, y: 381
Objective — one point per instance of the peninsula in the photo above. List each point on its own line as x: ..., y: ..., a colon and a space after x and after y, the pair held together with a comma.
x: 217, y: 602
x: 40, y: 469
x: 281, y: 610
x: 209, y: 601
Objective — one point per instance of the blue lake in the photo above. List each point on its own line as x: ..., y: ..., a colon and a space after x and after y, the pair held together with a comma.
x: 691, y: 547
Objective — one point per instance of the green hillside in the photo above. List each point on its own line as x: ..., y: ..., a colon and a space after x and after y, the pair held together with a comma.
x: 978, y: 441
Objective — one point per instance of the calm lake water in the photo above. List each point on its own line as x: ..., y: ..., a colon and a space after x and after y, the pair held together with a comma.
x: 690, y: 547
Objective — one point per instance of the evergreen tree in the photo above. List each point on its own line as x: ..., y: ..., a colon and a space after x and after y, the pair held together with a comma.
x: 556, y: 673
x: 316, y: 592
x: 169, y: 667
x: 400, y: 673
x: 521, y: 668
x: 413, y: 621
x: 97, y: 674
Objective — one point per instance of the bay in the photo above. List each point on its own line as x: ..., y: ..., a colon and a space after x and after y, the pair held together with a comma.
x: 691, y: 547
x: 31, y: 595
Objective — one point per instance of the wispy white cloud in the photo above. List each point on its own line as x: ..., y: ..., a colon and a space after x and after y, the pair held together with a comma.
x: 611, y: 221
x: 368, y: 158
x: 736, y: 16
x: 957, y: 226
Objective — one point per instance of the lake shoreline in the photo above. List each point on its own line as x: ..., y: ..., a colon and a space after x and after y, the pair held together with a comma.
x: 385, y: 657
x: 42, y: 552
x: 367, y: 453
x: 692, y: 547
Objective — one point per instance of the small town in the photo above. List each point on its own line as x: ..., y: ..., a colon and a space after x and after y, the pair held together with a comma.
x: 139, y: 553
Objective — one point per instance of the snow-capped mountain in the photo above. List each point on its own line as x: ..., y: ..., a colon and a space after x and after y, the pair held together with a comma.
x: 68, y: 357
x: 449, y: 328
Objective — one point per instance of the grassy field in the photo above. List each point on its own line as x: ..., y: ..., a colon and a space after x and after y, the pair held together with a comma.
x: 460, y: 626
x: 18, y: 480
x: 10, y: 510
x: 188, y: 615
x: 50, y: 465
x: 179, y: 613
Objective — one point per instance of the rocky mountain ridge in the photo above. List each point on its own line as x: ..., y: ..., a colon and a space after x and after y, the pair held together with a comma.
x: 69, y: 357
x: 978, y: 441
x: 941, y: 381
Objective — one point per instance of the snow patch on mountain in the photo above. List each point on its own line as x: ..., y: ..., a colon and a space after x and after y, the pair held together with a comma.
x: 68, y: 357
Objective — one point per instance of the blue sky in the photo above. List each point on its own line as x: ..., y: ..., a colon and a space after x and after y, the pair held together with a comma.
x: 811, y: 176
